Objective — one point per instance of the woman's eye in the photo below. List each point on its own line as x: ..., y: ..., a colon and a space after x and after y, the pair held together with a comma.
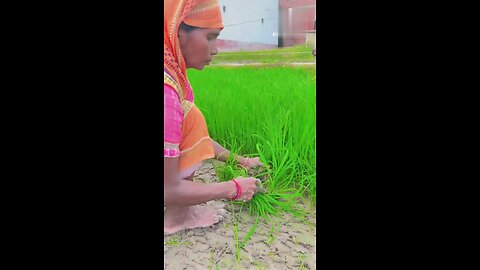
x: 212, y: 37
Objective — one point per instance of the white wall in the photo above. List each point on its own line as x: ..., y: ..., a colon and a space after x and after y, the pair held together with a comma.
x: 242, y: 21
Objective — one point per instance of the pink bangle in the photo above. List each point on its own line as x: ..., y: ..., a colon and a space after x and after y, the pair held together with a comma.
x: 239, y: 190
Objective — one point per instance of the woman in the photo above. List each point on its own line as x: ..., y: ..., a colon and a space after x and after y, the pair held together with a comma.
x: 191, y: 28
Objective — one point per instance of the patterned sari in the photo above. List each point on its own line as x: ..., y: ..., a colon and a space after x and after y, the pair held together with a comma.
x: 185, y: 130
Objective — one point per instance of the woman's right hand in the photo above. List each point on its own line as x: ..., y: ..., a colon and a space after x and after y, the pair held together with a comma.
x: 248, y: 186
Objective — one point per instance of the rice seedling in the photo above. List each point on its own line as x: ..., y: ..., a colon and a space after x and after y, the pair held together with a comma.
x: 271, y: 254
x: 265, y: 112
x: 259, y: 265
x: 236, y: 237
x: 301, y: 258
x: 264, y: 205
x: 211, y: 260
x: 249, y: 234
x: 270, y: 238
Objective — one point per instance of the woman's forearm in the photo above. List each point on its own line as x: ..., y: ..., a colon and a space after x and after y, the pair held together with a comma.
x: 221, y: 153
x: 185, y: 192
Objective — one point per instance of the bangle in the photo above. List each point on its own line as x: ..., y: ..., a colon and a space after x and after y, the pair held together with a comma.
x: 239, y: 190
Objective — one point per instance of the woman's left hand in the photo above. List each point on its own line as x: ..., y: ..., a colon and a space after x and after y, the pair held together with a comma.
x: 250, y: 162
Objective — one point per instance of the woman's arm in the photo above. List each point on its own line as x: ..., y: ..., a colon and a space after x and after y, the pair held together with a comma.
x: 184, y: 192
x: 222, y: 154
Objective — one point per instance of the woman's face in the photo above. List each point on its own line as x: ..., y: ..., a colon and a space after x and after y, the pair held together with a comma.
x: 198, y: 46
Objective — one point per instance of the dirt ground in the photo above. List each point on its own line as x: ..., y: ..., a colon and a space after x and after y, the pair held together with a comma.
x: 293, y: 245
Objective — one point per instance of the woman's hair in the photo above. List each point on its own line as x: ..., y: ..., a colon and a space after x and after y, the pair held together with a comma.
x: 188, y: 28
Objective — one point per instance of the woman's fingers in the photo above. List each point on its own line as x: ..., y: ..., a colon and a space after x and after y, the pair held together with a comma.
x: 249, y: 186
x: 260, y: 189
x: 251, y: 162
x: 248, y: 196
x: 254, y: 187
x: 259, y: 163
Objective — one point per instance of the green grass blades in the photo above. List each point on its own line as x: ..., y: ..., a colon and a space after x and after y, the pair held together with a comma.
x: 270, y: 238
x: 250, y: 233
x: 267, y: 112
x: 235, y: 233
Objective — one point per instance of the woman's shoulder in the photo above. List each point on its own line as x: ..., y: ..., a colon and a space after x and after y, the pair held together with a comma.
x: 169, y: 82
x: 170, y: 93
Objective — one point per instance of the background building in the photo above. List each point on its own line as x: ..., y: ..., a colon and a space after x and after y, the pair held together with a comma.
x: 297, y: 22
x: 249, y: 24
x: 264, y: 24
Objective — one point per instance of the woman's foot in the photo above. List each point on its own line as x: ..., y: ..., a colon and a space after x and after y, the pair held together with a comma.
x: 198, y: 216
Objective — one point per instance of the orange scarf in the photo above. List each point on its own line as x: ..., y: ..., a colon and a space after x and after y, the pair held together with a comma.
x: 199, y: 13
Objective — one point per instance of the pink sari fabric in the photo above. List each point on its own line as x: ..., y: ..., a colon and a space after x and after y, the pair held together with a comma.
x: 172, y: 127
x: 172, y: 120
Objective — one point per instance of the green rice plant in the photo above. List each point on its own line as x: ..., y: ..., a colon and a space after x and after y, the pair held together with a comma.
x: 250, y: 233
x: 302, y: 264
x: 273, y: 202
x: 235, y: 233
x: 241, y: 244
x: 259, y: 265
x: 230, y: 170
x: 267, y: 112
x: 270, y: 238
x: 211, y: 260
